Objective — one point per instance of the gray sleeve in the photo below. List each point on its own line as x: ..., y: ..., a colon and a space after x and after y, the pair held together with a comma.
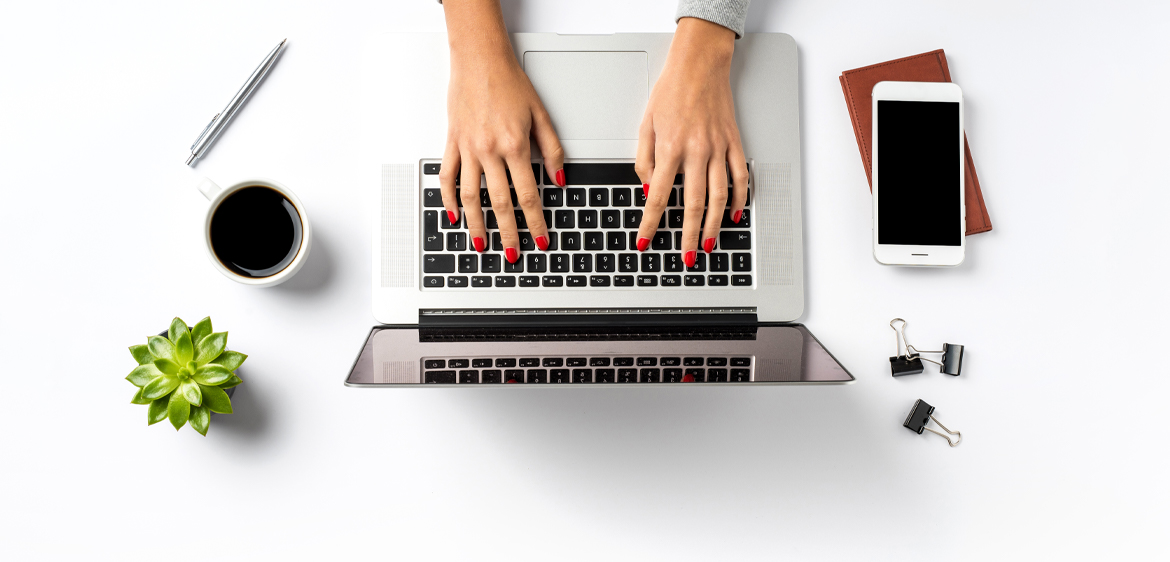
x: 728, y: 13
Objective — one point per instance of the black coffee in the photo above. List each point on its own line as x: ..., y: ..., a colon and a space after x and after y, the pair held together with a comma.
x: 256, y: 231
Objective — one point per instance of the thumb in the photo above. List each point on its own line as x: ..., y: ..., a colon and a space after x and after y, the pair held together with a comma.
x: 549, y: 145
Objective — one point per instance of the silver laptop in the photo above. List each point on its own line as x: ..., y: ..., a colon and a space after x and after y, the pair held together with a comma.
x: 591, y: 309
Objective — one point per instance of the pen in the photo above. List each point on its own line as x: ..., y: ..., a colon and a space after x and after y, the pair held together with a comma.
x: 217, y: 124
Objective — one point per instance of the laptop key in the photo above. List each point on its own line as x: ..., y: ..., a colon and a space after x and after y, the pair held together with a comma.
x: 553, y: 197
x: 552, y: 362
x: 598, y: 197
x: 432, y: 240
x: 741, y: 361
x: 694, y: 375
x: 599, y: 361
x: 741, y: 280
x: 622, y: 197
x: 570, y: 240
x: 598, y: 280
x: 481, y: 363
x: 745, y: 220
x: 628, y: 263
x: 650, y: 262
x: 716, y: 361
x: 603, y: 375
x: 741, y: 262
x: 675, y: 218
x: 457, y: 241
x: 481, y: 281
x: 446, y: 224
x: 700, y: 263
x: 649, y: 375
x: 719, y: 261
x: 647, y: 280
x: 529, y: 281
x: 606, y: 263
x: 694, y: 280
x: 552, y: 281
x: 582, y: 263
x: 735, y: 240
x: 490, y: 263
x: 586, y: 219
x: 576, y: 362
x: 577, y: 280
x: 582, y: 376
x: 491, y: 377
x: 627, y: 375
x: 661, y: 241
x: 432, y: 197
x: 611, y: 218
x: 647, y: 361
x: 431, y: 169
x: 457, y: 281
x: 672, y: 375
x: 432, y: 281
x: 623, y: 361
x: 458, y: 364
x: 717, y: 280
x: 514, y: 376
x: 671, y: 281
x: 505, y: 362
x: 671, y: 361
x: 694, y: 361
x: 497, y: 242
x: 439, y: 377
x: 631, y: 218
x: 558, y: 376
x: 672, y: 262
x: 565, y: 219
x: 741, y: 375
x: 575, y: 196
x: 468, y: 377
x: 558, y: 263
x: 537, y: 376
x: 623, y: 281
x: 594, y: 241
x: 537, y: 263
x: 527, y: 244
x: 435, y: 364
x: 639, y: 198
x: 716, y: 375
x: 468, y: 263
x: 505, y: 280
x: 517, y: 267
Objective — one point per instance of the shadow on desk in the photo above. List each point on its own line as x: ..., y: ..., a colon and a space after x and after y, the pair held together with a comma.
x: 251, y: 418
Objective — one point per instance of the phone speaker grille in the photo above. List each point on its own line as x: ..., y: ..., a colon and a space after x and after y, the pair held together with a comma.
x: 773, y: 213
x: 398, y: 190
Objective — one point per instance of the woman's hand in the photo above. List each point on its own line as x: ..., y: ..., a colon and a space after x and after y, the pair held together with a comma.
x: 492, y: 110
x: 690, y: 127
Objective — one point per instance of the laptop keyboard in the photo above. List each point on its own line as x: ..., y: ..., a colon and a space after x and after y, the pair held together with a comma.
x: 593, y: 231
x: 586, y: 370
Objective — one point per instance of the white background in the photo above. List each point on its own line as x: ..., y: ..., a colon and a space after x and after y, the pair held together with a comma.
x: 1061, y: 308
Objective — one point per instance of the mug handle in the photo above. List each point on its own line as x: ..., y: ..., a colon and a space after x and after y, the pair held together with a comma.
x: 208, y: 188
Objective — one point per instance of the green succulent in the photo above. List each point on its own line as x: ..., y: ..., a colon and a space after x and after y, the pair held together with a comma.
x: 183, y: 376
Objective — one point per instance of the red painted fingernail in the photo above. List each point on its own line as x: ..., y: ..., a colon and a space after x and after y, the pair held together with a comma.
x: 559, y: 177
x: 690, y: 257
x: 542, y: 242
x: 451, y: 217
x: 688, y: 378
x: 643, y: 243
x: 708, y: 245
x: 736, y: 216
x: 645, y: 191
x: 478, y: 243
x: 511, y: 254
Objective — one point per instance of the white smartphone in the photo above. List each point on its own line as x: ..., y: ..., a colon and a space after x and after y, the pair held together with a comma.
x: 919, y: 217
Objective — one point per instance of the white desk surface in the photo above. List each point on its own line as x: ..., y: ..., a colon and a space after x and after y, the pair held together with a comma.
x: 1062, y: 308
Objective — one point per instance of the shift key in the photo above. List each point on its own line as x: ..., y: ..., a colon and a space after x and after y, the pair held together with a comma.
x: 439, y: 263
x: 735, y: 240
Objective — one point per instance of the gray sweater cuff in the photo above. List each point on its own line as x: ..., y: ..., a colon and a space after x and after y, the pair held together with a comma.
x: 729, y: 13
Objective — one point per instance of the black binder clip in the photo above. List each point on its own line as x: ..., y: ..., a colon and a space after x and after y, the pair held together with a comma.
x: 910, y: 361
x: 921, y: 415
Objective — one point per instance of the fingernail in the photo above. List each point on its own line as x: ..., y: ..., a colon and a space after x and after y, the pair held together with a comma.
x: 643, y: 243
x: 542, y: 242
x: 451, y: 217
x: 688, y: 378
x: 690, y: 257
x: 736, y: 216
x: 708, y: 245
x: 559, y: 177
x: 645, y: 191
x: 478, y: 243
x: 511, y: 254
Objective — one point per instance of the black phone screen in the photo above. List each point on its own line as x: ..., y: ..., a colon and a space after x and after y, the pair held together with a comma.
x: 919, y: 171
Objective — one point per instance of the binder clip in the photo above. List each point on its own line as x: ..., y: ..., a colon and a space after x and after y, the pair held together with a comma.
x: 921, y: 415
x: 910, y: 361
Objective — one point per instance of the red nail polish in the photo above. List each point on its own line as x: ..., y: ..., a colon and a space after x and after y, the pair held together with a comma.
x: 478, y: 243
x: 708, y: 245
x: 643, y: 243
x: 542, y: 242
x: 451, y: 217
x: 645, y: 191
x: 559, y: 177
x: 688, y: 378
x: 690, y: 257
x: 511, y: 254
x: 738, y: 214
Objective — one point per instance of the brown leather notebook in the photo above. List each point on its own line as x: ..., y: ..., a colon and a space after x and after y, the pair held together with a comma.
x: 928, y: 67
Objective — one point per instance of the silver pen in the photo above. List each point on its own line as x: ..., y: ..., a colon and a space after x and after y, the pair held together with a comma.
x: 220, y: 121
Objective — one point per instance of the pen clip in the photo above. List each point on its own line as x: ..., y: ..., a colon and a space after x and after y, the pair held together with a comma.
x: 205, y: 129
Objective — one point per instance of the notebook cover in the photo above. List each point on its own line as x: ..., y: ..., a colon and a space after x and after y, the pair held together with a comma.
x: 857, y: 84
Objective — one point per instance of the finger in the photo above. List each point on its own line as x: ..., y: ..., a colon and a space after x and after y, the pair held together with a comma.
x: 694, y: 197
x: 660, y: 185
x: 716, y: 199
x: 497, y: 185
x: 469, y: 176
x: 448, y: 170
x: 739, y: 180
x: 644, y: 163
x: 528, y: 197
x: 473, y: 211
x: 549, y: 145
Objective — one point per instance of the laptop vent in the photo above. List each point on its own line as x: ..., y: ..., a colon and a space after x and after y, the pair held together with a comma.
x: 399, y: 372
x: 577, y: 334
x: 773, y: 215
x: 525, y: 311
x: 398, y: 187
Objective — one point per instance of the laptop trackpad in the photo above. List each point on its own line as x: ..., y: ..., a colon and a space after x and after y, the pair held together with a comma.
x: 591, y: 95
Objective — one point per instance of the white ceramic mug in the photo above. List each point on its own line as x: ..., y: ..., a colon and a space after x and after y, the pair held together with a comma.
x: 216, y: 195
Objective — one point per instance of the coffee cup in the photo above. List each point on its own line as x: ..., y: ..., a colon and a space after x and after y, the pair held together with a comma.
x: 256, y: 231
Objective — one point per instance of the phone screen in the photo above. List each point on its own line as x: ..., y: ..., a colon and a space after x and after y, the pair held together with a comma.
x: 919, y: 173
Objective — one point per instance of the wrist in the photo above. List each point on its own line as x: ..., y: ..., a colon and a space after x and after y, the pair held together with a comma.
x: 476, y: 33
x: 700, y: 42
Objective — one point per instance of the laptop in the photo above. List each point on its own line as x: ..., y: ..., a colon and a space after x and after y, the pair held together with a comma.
x: 591, y: 309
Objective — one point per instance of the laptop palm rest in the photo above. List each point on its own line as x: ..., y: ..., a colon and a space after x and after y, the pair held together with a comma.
x: 591, y: 95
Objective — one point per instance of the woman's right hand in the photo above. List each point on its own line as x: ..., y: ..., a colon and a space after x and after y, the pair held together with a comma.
x: 492, y: 110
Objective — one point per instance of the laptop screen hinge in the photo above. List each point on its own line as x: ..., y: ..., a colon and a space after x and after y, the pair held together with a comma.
x: 588, y: 317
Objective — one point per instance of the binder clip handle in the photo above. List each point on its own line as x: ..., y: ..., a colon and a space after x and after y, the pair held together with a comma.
x: 922, y: 414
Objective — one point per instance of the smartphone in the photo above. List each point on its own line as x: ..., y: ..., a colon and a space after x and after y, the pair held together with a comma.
x: 918, y: 213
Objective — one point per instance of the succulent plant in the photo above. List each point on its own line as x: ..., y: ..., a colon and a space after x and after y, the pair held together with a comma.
x: 183, y: 376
